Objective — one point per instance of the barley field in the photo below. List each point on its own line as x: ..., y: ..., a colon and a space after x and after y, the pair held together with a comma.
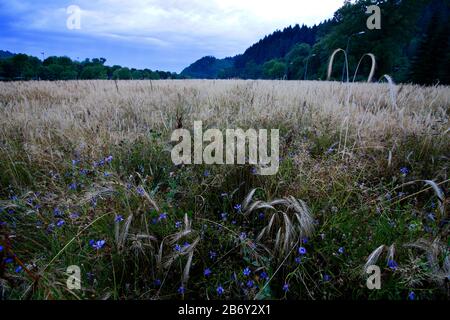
x: 87, y: 180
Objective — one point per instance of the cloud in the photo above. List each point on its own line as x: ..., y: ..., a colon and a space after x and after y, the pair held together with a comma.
x: 213, y: 27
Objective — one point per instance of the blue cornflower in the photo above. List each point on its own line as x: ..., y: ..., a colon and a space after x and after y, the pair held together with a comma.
x: 286, y: 287
x: 261, y: 215
x: 302, y: 251
x: 140, y: 191
x: 73, y: 186
x: 108, y: 159
x: 238, y: 207
x: 220, y: 290
x: 178, y: 224
x: 119, y: 218
x: 207, y: 272
x: 243, y: 236
x: 224, y: 216
x: 212, y: 255
x: 106, y: 174
x: 341, y: 250
x: 298, y: 260
x: 1, y: 248
x: 305, y: 240
x: 60, y: 223
x: 186, y: 244
x: 74, y: 215
x: 18, y: 269
x: 392, y: 264
x: 246, y: 271
x: 57, y: 212
x: 250, y: 283
x: 404, y: 171
x: 177, y: 247
x: 84, y: 172
x: 162, y: 216
x: 206, y: 173
x: 181, y: 290
x: 326, y: 277
x: 157, y: 282
x: 253, y: 171
x: 412, y: 296
x: 97, y: 245
x: 263, y: 275
x: 9, y: 260
x: 75, y: 162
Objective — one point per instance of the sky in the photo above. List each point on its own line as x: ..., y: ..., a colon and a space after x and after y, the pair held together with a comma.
x: 166, y: 35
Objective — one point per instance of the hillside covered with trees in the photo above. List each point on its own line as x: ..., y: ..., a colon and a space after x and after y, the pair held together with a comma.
x: 413, y: 45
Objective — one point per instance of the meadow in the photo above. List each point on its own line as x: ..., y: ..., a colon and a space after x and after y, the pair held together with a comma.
x: 86, y: 179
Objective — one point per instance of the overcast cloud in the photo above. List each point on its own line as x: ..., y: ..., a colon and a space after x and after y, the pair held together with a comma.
x: 158, y: 34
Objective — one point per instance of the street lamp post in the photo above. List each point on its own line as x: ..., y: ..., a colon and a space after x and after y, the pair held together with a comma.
x: 306, y: 66
x: 347, y: 49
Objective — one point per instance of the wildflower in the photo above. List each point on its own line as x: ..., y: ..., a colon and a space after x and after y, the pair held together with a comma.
x: 298, y: 260
x: 162, y: 216
x: 302, y: 251
x: 106, y: 174
x: 181, y: 290
x: 212, y: 255
x: 253, y: 171
x: 178, y: 224
x: 263, y: 275
x: 186, y: 245
x: 1, y: 248
x: 157, y: 282
x: 11, y: 211
x: 84, y: 172
x: 286, y: 287
x: 108, y: 159
x: 57, y: 212
x: 412, y: 296
x: 238, y: 207
x: 243, y: 236
x: 341, y: 250
x: 261, y: 215
x: 326, y: 277
x: 304, y: 240
x: 404, y: 171
x: 177, y: 247
x: 75, y: 162
x: 224, y: 216
x: 233, y: 222
x: 60, y: 223
x: 207, y: 272
x: 220, y: 290
x: 140, y: 191
x: 119, y: 218
x: 392, y: 265
x: 74, y: 215
x: 97, y: 245
x: 9, y: 260
x: 206, y: 173
x: 247, y: 271
x: 18, y: 269
x: 250, y: 283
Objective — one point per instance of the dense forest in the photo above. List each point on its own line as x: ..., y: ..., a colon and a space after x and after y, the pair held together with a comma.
x: 413, y: 45
x: 25, y: 67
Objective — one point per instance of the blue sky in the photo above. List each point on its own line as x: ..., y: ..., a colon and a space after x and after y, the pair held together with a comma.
x: 156, y: 34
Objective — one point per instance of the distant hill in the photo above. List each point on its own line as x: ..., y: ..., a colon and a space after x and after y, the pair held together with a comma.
x: 208, y: 68
x: 6, y: 54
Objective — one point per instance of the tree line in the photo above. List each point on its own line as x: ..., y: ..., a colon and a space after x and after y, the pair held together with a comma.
x: 25, y: 67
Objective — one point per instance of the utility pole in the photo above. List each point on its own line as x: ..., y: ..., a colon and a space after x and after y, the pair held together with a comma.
x: 306, y: 66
